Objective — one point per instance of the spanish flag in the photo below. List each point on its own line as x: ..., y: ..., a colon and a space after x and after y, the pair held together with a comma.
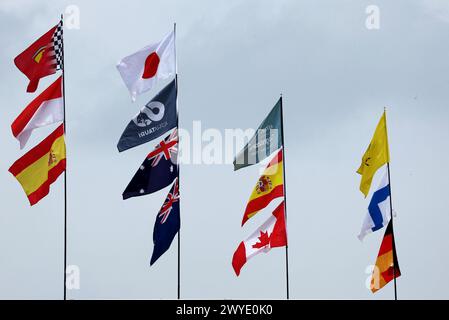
x: 269, y: 186
x: 41, y: 166
x: 387, y: 267
x: 375, y: 156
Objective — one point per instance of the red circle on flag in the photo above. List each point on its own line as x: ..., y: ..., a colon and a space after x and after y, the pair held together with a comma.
x: 151, y: 65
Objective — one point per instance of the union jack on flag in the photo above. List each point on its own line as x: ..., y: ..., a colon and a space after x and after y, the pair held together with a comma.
x: 172, y: 197
x: 168, y: 222
x: 167, y: 148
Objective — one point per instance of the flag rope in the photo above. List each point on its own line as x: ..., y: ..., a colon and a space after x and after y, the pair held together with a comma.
x: 285, y: 200
x: 391, y: 212
x: 177, y: 160
x: 65, y: 171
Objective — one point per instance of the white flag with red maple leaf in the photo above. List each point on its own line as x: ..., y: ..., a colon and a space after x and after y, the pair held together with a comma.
x: 271, y: 234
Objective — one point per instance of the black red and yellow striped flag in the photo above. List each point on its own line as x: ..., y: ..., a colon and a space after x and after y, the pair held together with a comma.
x: 41, y: 166
x: 387, y: 267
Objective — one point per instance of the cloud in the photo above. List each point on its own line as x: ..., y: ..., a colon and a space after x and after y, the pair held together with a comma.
x: 436, y: 8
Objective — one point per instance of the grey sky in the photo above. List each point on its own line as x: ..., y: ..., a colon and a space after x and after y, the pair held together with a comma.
x: 234, y: 58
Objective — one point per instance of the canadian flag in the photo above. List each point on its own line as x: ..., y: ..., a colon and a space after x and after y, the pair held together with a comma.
x: 45, y: 109
x: 141, y: 70
x: 271, y: 234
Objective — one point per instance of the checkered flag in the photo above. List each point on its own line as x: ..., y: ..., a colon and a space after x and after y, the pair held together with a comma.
x: 58, y: 47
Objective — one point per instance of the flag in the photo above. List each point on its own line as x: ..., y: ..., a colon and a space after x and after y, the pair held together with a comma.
x: 266, y: 140
x: 375, y: 156
x: 42, y: 58
x: 387, y: 267
x: 45, y: 109
x: 141, y: 70
x: 378, y: 213
x: 157, y: 171
x: 41, y: 166
x: 167, y: 223
x: 156, y: 118
x: 269, y: 186
x: 271, y: 234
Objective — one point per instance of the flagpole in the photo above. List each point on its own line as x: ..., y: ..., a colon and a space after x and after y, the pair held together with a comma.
x: 179, y: 184
x: 285, y: 198
x: 65, y: 171
x: 391, y: 212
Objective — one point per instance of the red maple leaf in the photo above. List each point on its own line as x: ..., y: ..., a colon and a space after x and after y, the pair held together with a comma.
x: 264, y: 240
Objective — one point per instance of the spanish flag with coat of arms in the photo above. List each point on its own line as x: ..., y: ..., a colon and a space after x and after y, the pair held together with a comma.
x: 41, y: 166
x: 269, y: 186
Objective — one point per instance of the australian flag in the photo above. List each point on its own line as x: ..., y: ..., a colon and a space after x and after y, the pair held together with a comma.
x: 157, y: 171
x: 167, y: 223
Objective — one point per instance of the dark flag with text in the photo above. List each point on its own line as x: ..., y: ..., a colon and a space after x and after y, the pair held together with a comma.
x: 156, y: 118
x: 167, y: 223
x: 157, y: 171
x: 266, y: 140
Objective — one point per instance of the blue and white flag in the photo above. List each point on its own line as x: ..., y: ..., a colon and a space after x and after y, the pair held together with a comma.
x: 378, y: 214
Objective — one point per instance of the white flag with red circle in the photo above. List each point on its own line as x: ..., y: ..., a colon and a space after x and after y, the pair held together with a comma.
x: 141, y: 70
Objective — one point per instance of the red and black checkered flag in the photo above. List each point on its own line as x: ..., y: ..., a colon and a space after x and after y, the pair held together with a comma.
x: 42, y: 58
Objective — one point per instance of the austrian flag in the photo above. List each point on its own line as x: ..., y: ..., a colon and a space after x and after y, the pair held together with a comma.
x: 45, y: 109
x: 271, y: 234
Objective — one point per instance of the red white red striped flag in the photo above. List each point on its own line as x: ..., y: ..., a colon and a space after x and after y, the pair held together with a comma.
x: 45, y: 109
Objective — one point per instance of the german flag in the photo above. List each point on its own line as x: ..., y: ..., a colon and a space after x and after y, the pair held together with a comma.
x: 41, y: 166
x: 269, y: 186
x: 387, y: 267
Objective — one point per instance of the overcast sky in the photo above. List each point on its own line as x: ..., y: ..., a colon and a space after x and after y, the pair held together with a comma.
x: 234, y: 59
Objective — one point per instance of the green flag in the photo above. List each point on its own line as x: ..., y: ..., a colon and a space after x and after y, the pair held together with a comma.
x: 266, y: 140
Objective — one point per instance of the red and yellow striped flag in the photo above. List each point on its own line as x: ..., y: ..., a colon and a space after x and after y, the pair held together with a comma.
x: 269, y: 186
x: 41, y: 166
x: 387, y: 267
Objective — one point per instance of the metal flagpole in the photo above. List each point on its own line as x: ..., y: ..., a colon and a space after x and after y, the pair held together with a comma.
x: 285, y: 198
x: 391, y: 212
x: 179, y: 184
x: 65, y: 171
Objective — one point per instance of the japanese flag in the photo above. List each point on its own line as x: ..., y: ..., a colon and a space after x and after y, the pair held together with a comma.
x: 141, y: 70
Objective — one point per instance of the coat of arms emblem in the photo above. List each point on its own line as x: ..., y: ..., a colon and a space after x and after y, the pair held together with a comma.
x: 264, y: 184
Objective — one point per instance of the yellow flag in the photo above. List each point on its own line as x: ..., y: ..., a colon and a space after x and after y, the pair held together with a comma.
x: 375, y: 156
